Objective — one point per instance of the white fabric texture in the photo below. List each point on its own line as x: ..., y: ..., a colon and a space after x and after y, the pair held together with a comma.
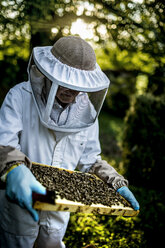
x: 68, y: 76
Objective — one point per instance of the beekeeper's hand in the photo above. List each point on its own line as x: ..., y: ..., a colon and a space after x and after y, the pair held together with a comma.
x: 128, y: 195
x: 20, y: 183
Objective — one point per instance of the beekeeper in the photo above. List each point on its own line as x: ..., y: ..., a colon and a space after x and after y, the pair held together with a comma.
x: 51, y: 119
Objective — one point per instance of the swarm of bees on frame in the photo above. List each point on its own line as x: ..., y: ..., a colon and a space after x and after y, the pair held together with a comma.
x: 76, y: 186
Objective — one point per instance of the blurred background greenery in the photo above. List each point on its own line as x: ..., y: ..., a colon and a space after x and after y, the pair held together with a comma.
x: 129, y: 41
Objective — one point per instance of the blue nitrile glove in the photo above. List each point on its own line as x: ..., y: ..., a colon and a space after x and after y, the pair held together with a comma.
x: 128, y: 195
x: 20, y: 184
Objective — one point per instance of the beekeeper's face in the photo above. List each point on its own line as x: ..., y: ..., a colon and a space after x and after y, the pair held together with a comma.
x: 65, y: 95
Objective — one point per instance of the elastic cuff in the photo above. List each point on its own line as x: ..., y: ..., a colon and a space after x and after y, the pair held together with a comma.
x: 3, y: 177
x: 119, y: 184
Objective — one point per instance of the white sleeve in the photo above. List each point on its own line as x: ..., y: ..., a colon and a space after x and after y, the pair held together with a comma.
x: 11, y: 119
x: 108, y: 174
x: 92, y: 149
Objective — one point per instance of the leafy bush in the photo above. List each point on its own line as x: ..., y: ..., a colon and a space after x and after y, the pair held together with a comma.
x: 13, y: 71
x: 110, y: 135
x: 152, y: 214
x: 123, y: 85
x: 143, y: 160
x: 117, y: 103
x: 144, y: 142
x: 102, y: 231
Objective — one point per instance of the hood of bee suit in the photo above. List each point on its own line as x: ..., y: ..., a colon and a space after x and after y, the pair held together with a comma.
x: 69, y: 63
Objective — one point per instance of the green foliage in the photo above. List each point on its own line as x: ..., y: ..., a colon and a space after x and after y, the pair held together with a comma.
x: 131, y: 25
x: 117, y: 102
x: 123, y: 85
x: 150, y: 221
x: 133, y: 34
x: 156, y: 84
x: 143, y: 160
x: 152, y: 215
x: 127, y: 71
x: 114, y: 58
x: 144, y: 142
x: 110, y: 138
x: 102, y: 231
x: 12, y: 71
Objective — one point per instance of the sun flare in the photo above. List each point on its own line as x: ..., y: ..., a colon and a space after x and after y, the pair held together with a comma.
x: 79, y: 27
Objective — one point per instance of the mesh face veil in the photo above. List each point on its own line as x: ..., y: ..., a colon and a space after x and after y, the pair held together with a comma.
x: 67, y: 84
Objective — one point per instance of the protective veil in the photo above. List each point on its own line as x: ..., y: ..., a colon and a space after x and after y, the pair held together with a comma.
x: 69, y: 64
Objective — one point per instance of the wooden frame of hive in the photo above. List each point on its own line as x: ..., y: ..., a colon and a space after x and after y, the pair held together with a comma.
x: 72, y: 206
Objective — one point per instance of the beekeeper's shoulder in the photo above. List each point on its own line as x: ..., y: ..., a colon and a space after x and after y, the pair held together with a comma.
x: 21, y: 87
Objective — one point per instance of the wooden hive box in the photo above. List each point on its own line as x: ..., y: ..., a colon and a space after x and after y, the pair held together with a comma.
x: 79, y: 192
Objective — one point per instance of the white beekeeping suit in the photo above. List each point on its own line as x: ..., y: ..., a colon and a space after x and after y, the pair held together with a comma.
x: 33, y: 121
